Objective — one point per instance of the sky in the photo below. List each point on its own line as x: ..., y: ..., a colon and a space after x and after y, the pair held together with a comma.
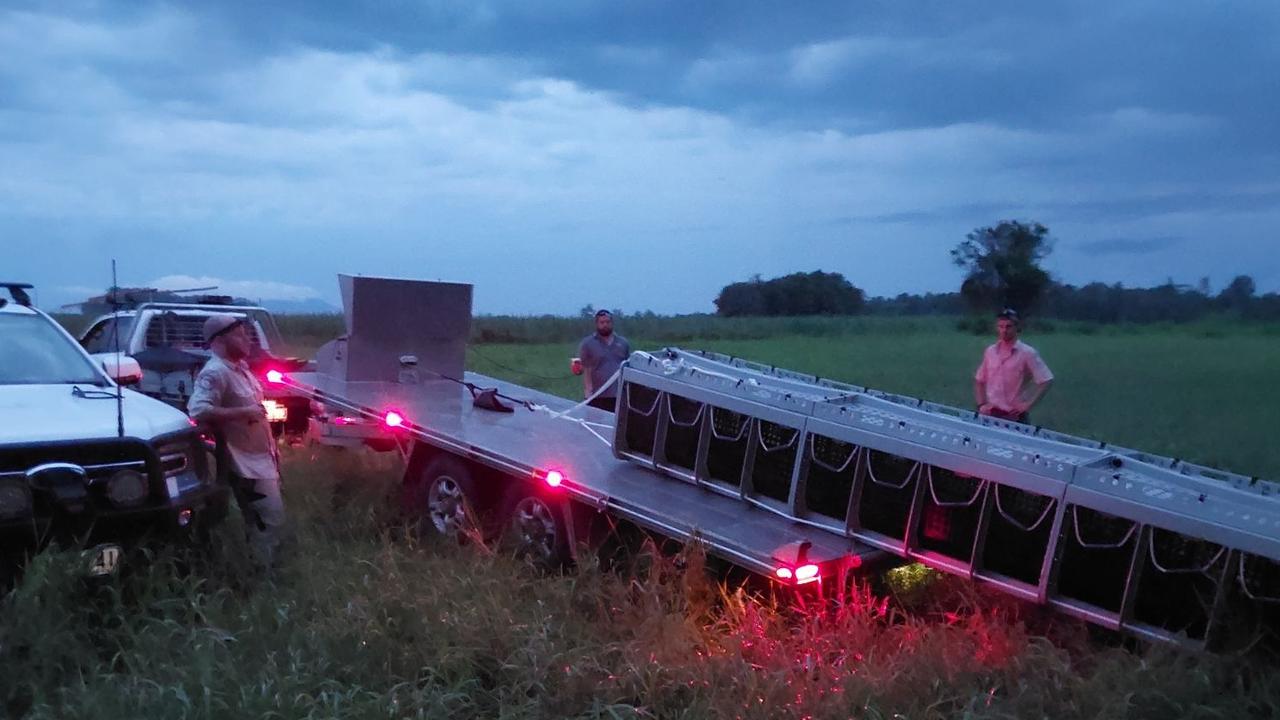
x: 631, y: 154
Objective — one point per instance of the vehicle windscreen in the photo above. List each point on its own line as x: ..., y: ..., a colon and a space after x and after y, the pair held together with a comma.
x: 104, y: 336
x: 33, y: 351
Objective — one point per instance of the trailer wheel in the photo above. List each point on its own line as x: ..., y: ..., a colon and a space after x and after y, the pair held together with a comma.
x: 536, y: 528
x: 446, y: 499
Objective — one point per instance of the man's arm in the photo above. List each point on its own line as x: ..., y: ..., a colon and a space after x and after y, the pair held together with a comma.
x: 1043, y: 378
x: 980, y: 396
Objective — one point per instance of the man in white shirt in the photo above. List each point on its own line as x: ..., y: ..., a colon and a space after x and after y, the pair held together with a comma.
x: 1012, y: 377
x: 228, y: 398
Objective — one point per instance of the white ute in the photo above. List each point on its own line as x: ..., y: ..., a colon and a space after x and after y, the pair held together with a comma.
x: 84, y: 461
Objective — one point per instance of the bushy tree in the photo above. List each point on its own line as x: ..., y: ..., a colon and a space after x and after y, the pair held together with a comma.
x: 1002, y: 265
x: 814, y: 293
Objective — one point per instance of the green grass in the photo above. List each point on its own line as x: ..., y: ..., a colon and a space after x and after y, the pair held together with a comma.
x: 1175, y: 392
x: 364, y: 622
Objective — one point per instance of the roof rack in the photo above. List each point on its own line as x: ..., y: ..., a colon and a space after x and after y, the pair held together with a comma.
x: 18, y: 291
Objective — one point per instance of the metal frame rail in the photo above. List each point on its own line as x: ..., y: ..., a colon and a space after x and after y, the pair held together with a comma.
x: 1154, y: 546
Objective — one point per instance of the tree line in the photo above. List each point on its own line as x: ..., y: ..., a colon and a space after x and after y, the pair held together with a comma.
x: 1002, y: 265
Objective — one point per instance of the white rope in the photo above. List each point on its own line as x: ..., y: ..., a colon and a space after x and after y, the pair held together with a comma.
x: 795, y: 435
x: 746, y: 425
x: 1049, y: 505
x: 1244, y: 587
x: 1173, y: 571
x: 813, y: 455
x: 1075, y: 525
x: 982, y: 484
x: 780, y: 513
x: 585, y: 424
x: 871, y: 473
x: 671, y: 414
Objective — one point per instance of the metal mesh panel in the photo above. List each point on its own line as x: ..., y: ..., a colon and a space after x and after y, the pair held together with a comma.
x: 829, y: 476
x: 727, y: 449
x: 1179, y: 581
x: 1097, y: 550
x: 950, y: 513
x: 775, y: 461
x: 640, y: 403
x: 884, y: 502
x: 1018, y: 534
x: 684, y: 423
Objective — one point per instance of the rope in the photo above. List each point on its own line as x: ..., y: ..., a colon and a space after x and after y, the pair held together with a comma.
x: 813, y: 455
x: 1049, y: 505
x: 645, y: 413
x: 910, y: 476
x: 1244, y: 587
x: 671, y: 414
x: 1171, y: 571
x: 746, y: 425
x: 795, y: 435
x: 982, y: 484
x: 1075, y: 526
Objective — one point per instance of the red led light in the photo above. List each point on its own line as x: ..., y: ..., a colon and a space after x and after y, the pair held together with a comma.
x: 806, y: 574
x: 344, y: 420
x: 275, y: 377
x: 783, y: 573
x: 554, y: 478
x: 393, y: 419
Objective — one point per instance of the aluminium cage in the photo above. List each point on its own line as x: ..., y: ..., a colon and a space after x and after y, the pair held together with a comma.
x: 1132, y: 541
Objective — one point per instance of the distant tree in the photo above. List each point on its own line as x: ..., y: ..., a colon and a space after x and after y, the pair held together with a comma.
x: 1204, y: 288
x: 1002, y: 265
x: 814, y: 293
x: 1238, y: 293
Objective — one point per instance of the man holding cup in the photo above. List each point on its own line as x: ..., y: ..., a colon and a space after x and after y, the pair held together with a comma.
x: 600, y: 355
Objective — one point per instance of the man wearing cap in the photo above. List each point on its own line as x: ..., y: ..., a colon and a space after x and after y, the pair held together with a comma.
x: 599, y: 357
x: 228, y: 398
x: 1012, y: 377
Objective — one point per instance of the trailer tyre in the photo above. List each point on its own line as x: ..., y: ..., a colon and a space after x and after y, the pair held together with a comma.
x: 535, y: 528
x: 446, y: 499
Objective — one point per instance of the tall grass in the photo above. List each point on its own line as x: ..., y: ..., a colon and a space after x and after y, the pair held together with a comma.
x: 365, y: 621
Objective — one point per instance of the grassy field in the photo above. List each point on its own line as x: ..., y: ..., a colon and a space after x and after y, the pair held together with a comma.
x: 365, y: 621
x: 1206, y: 397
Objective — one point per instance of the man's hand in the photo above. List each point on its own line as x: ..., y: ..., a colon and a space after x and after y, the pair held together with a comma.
x: 248, y: 413
x: 986, y: 409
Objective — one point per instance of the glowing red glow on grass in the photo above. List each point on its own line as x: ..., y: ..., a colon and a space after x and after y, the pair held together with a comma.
x: 275, y: 377
x: 554, y: 478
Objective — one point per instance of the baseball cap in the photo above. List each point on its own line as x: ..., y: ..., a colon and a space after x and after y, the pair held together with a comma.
x: 1007, y: 314
x: 219, y: 325
x: 603, y: 312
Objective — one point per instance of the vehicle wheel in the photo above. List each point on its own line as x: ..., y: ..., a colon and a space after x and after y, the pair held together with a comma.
x: 446, y: 500
x: 536, y: 528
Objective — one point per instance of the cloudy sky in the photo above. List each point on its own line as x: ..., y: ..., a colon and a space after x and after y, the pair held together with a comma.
x: 631, y: 154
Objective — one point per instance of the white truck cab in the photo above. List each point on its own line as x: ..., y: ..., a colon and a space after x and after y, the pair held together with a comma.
x: 80, y: 456
x: 164, y: 342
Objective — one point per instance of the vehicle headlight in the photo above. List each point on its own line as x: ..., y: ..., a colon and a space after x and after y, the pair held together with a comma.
x: 15, y: 498
x: 127, y: 488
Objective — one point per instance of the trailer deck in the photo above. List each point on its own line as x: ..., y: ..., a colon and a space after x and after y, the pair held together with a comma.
x: 530, y: 444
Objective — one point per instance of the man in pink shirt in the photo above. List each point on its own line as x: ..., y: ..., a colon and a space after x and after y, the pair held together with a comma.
x: 1000, y: 387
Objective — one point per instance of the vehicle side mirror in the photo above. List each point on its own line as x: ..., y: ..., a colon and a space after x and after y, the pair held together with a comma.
x: 124, y: 370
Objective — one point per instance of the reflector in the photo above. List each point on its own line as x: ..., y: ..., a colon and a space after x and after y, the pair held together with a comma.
x: 806, y: 573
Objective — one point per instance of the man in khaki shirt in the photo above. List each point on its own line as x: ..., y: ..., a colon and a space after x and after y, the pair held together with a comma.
x: 228, y: 398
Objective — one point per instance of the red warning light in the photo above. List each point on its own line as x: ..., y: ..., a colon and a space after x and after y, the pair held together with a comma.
x: 393, y: 419
x: 275, y: 377
x: 554, y: 478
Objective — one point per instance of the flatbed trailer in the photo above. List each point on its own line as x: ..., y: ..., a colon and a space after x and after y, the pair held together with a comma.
x: 805, y: 480
x: 508, y: 457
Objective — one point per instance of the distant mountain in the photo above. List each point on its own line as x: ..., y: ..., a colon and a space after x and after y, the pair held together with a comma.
x: 299, y: 307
